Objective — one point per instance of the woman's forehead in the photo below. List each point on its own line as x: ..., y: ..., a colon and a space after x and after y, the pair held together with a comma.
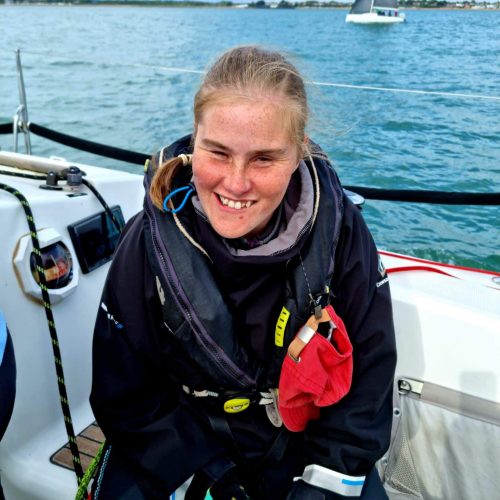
x: 227, y: 96
x: 257, y: 122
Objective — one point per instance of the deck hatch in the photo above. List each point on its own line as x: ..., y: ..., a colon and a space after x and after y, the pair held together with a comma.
x: 89, y: 441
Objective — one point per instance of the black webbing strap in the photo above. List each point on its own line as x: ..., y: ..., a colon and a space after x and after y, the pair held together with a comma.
x: 221, y: 428
x: 6, y: 128
x: 422, y: 196
x: 277, y: 450
x: 89, y: 146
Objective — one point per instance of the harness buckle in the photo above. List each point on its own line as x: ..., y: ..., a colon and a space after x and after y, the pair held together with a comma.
x: 231, y: 402
x: 236, y: 405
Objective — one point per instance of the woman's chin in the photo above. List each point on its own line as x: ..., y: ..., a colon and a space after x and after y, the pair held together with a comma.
x: 232, y: 230
x: 232, y: 226
x: 229, y: 232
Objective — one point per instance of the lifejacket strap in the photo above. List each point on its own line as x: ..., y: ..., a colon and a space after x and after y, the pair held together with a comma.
x: 259, y: 397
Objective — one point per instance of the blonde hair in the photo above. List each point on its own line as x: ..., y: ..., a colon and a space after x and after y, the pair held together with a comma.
x: 244, y: 73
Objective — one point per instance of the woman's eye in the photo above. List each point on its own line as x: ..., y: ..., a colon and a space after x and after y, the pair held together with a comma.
x: 263, y: 160
x: 219, y: 154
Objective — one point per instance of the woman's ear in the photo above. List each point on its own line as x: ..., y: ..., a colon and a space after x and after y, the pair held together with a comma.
x: 305, y: 145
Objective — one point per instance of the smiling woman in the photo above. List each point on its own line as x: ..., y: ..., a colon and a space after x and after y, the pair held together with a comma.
x: 267, y: 246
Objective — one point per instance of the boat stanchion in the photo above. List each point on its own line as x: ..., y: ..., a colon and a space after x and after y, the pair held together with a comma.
x: 22, y: 110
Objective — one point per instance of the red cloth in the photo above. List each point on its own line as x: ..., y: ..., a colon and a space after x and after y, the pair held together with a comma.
x: 321, y: 377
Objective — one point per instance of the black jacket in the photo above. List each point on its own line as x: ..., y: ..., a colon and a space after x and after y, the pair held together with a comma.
x: 139, y: 367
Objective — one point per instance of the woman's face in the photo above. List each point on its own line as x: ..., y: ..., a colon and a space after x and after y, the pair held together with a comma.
x: 243, y: 160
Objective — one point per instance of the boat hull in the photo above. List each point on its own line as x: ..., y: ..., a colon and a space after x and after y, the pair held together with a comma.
x: 374, y: 18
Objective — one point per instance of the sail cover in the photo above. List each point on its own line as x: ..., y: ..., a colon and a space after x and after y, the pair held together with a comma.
x: 362, y: 6
x: 388, y: 4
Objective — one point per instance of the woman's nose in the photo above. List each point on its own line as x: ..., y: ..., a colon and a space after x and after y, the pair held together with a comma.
x: 236, y: 180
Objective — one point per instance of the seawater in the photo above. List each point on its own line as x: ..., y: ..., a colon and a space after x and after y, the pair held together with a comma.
x: 110, y: 74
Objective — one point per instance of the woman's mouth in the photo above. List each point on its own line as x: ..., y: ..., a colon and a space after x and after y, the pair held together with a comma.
x: 236, y: 204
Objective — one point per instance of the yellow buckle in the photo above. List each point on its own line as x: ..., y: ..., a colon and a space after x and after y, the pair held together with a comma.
x: 236, y: 405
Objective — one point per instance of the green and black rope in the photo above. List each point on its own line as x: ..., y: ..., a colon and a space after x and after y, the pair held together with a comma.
x: 81, y: 493
x: 13, y: 173
x: 52, y: 329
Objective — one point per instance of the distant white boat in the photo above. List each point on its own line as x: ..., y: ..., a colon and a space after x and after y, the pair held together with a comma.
x: 375, y: 12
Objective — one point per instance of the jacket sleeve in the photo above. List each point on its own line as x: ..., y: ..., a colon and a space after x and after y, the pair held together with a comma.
x: 7, y: 377
x: 351, y: 435
x: 134, y: 401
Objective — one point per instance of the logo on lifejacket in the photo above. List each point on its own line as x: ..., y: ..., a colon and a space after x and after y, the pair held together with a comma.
x: 279, y: 333
x: 236, y: 405
x: 383, y: 282
x: 381, y: 267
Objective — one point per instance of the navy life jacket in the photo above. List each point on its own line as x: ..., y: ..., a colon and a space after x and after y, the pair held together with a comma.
x: 195, y: 311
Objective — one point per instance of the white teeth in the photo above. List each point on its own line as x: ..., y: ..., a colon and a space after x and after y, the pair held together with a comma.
x: 235, y: 204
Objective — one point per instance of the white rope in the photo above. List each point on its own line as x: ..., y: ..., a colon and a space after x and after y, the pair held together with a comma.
x: 174, y: 69
x: 316, y: 185
x: 167, y: 68
x: 409, y: 91
x: 191, y: 240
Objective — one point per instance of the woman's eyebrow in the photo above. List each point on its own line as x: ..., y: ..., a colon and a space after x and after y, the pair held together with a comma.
x: 274, y: 152
x: 214, y: 144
